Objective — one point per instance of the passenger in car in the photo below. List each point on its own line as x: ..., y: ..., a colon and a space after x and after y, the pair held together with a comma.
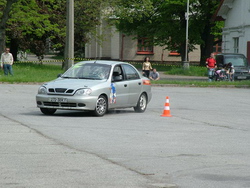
x: 116, y: 76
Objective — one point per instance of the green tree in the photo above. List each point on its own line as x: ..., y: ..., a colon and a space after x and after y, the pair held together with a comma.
x: 29, y: 26
x: 31, y: 23
x: 164, y: 22
x: 5, y: 8
x: 209, y: 30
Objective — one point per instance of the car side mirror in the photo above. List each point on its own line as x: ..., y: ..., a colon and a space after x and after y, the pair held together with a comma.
x: 59, y: 75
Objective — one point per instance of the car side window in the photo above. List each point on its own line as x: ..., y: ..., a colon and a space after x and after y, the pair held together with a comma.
x: 130, y: 72
x: 117, y: 74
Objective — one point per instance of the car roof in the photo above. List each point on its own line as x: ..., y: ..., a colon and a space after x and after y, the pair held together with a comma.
x: 106, y: 62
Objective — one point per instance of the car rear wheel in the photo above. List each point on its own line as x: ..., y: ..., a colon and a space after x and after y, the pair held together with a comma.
x: 142, y: 103
x: 48, y: 111
x: 101, y: 106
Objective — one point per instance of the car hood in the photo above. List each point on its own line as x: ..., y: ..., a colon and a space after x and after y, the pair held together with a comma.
x: 73, y: 83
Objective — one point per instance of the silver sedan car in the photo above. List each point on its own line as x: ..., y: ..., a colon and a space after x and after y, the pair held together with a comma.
x: 96, y: 86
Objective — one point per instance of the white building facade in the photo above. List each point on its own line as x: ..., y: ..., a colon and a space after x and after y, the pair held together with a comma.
x: 236, y: 32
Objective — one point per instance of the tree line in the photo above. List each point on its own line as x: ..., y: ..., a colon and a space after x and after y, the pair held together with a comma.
x: 32, y: 24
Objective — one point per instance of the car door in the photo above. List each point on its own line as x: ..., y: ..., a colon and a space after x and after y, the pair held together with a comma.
x: 119, y: 89
x: 134, y: 83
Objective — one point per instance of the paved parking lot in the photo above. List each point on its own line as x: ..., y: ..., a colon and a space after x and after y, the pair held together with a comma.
x: 204, y: 144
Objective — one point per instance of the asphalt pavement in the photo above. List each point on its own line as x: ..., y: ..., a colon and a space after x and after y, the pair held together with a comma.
x: 204, y: 144
x: 31, y: 159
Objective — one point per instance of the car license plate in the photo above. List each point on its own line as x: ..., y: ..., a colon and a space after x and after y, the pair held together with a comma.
x: 58, y: 100
x: 242, y: 77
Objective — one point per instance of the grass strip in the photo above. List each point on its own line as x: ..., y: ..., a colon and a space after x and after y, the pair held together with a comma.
x: 30, y: 72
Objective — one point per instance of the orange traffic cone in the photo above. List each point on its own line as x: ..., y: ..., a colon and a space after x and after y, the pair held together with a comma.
x: 166, y: 112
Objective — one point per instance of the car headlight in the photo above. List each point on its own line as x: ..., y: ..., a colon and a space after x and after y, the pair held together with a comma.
x: 83, y: 92
x: 42, y: 90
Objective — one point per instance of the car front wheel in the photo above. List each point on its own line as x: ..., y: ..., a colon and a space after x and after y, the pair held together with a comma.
x: 101, y: 106
x: 48, y: 111
x: 142, y: 103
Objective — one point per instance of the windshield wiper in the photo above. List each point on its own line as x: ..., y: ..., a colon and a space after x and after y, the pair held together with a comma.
x: 87, y: 78
x: 68, y: 77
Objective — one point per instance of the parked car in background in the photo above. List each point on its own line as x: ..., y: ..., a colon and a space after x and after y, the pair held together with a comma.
x: 239, y: 62
x: 96, y: 86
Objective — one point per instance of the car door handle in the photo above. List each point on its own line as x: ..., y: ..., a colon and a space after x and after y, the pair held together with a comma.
x: 125, y: 85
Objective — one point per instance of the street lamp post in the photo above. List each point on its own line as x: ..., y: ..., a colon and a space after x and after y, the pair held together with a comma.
x: 186, y: 62
x: 69, y: 47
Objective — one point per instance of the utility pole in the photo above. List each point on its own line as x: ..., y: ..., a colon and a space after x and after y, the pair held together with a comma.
x: 69, y: 45
x: 186, y: 62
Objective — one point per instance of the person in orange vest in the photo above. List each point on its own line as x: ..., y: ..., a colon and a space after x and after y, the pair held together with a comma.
x: 211, y: 65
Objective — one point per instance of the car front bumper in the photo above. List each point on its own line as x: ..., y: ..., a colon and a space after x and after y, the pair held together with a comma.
x: 245, y: 76
x: 66, y: 102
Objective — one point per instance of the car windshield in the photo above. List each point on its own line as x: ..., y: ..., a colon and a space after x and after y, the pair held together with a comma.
x: 236, y: 60
x: 93, y: 71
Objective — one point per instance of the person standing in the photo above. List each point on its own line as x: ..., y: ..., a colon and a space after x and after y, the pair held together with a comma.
x: 146, y: 67
x: 7, y: 62
x: 230, y: 71
x: 154, y: 75
x: 211, y: 65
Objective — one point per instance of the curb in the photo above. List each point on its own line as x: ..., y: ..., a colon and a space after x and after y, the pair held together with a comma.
x: 193, y: 85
